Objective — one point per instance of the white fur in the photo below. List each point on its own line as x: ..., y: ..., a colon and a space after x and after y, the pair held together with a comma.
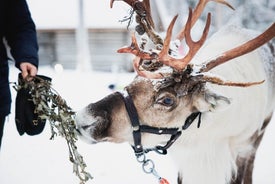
x: 84, y: 119
x: 207, y: 155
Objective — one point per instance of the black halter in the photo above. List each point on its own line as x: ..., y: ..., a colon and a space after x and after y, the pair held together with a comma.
x: 138, y: 129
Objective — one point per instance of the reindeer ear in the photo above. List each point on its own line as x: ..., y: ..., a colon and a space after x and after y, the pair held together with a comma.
x: 216, y: 102
x: 212, y: 102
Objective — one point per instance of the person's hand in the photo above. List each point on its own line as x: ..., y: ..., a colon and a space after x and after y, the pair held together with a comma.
x: 28, y: 69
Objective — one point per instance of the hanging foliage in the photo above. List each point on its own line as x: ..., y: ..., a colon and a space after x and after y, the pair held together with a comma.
x: 50, y: 106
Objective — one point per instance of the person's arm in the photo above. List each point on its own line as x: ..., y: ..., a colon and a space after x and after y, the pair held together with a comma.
x: 21, y: 37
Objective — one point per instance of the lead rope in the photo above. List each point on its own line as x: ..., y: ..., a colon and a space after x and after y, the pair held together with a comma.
x: 148, y: 167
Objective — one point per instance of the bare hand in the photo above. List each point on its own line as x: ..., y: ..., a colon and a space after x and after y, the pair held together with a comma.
x: 28, y: 69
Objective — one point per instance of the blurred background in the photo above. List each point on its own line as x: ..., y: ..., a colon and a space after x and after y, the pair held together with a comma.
x: 85, y: 34
x: 78, y: 40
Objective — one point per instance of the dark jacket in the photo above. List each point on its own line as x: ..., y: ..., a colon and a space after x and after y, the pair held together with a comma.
x: 18, y: 29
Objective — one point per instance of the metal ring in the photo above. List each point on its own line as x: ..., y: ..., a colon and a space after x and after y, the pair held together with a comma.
x: 141, y: 158
x: 148, y: 166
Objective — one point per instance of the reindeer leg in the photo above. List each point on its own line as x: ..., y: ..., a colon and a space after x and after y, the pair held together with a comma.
x: 246, y: 165
x: 241, y: 162
x: 179, y: 178
x: 250, y: 162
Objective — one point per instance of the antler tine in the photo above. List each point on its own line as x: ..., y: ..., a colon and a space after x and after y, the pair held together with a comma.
x: 144, y: 19
x: 112, y: 3
x: 131, y: 3
x: 147, y: 7
x: 197, y: 13
x: 195, y: 46
x: 135, y: 50
x: 242, y: 49
x: 144, y: 73
x: 218, y: 81
x: 167, y: 40
x: 180, y: 64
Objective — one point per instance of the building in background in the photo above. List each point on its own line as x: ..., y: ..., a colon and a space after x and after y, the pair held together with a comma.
x: 58, y: 46
x: 57, y: 21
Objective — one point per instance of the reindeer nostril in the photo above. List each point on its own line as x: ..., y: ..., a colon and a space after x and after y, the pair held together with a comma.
x: 85, y: 127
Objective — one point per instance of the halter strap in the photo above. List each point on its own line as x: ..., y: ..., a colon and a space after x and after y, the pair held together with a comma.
x: 138, y: 128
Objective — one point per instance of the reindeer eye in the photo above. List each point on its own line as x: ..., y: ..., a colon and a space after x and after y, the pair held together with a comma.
x: 166, y: 101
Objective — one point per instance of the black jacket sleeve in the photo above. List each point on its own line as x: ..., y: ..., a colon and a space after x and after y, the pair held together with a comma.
x: 21, y: 33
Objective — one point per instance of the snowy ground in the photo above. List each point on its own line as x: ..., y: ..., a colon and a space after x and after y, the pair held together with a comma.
x: 38, y: 160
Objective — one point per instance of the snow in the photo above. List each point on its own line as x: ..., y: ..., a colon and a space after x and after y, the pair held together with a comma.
x: 38, y: 160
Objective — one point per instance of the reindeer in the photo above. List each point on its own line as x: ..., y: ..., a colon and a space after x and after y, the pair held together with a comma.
x: 211, y: 126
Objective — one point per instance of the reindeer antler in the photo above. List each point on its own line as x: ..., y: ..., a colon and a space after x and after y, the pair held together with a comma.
x: 236, y: 52
x: 197, y: 13
x: 144, y: 18
x: 242, y: 49
x: 135, y: 50
x: 180, y: 64
x: 162, y: 56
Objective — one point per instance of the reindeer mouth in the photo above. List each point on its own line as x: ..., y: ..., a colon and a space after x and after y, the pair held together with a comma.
x: 85, y: 132
x: 90, y: 128
x: 85, y: 126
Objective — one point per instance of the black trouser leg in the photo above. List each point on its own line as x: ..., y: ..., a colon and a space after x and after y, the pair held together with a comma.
x: 2, y: 123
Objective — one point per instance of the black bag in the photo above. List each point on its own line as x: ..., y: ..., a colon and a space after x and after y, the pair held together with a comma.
x: 25, y: 119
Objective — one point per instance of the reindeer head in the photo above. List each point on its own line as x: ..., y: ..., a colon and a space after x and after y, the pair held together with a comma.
x: 169, y: 92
